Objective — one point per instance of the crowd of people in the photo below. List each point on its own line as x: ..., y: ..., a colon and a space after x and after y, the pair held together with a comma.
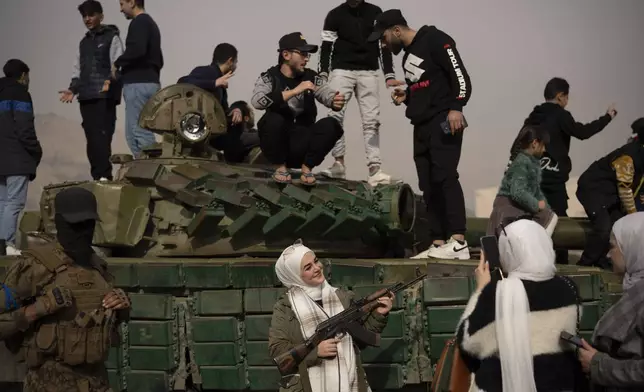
x: 358, y: 38
x: 509, y: 334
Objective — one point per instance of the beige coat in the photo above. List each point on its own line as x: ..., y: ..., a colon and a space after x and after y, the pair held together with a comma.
x: 285, y: 333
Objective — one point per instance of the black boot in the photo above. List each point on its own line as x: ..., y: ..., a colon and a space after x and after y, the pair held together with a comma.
x: 3, y: 248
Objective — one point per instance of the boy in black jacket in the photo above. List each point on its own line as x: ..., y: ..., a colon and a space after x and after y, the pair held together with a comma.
x: 20, y: 150
x: 555, y: 163
x: 438, y: 87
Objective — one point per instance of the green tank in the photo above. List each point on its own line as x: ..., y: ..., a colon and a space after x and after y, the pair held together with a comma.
x: 193, y: 240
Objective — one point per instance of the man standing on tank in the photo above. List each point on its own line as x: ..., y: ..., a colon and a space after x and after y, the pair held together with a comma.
x: 67, y: 350
x: 351, y: 65
x: 98, y: 95
x: 555, y: 162
x: 438, y: 87
x: 139, y: 69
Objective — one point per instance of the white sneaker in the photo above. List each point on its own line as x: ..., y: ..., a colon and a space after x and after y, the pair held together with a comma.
x: 382, y: 178
x: 12, y: 251
x: 337, y: 170
x: 103, y: 179
x: 450, y: 250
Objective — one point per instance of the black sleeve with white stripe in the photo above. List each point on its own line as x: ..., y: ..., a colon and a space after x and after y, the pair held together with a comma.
x: 329, y: 36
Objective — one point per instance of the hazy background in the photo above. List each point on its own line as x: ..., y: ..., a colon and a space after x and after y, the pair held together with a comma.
x: 510, y: 48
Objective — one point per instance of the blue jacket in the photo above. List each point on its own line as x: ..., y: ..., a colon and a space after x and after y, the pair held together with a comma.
x: 205, y: 77
x: 20, y: 150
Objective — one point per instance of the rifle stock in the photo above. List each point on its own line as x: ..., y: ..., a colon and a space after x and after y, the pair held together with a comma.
x: 288, y: 362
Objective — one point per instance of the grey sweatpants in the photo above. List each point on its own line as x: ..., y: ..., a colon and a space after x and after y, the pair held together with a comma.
x: 364, y: 84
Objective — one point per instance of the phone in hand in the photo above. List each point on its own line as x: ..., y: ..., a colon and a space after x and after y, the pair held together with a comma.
x: 447, y: 129
x: 490, y: 248
x: 576, y: 340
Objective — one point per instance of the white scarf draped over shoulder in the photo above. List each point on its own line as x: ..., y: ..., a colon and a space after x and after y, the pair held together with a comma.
x: 332, y: 375
x: 526, y: 253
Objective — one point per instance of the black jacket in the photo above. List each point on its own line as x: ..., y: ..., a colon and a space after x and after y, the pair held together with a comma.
x: 600, y: 182
x: 143, y: 59
x: 553, y: 308
x: 562, y: 126
x: 437, y: 80
x: 20, y: 150
x: 95, y: 65
x: 205, y: 77
x: 344, y: 41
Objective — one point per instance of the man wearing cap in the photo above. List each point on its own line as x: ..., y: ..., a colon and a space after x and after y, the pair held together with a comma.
x: 351, y: 64
x: 438, y: 86
x: 608, y: 190
x: 290, y: 136
x: 66, y: 350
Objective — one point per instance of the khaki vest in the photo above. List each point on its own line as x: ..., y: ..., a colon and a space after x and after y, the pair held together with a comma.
x: 81, y: 333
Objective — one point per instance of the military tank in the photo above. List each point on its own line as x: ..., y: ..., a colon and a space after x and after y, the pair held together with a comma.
x: 193, y: 240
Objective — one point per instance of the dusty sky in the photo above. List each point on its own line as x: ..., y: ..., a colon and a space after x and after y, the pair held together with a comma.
x: 510, y: 48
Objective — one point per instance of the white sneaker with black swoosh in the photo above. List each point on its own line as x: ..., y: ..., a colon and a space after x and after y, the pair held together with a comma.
x: 450, y: 250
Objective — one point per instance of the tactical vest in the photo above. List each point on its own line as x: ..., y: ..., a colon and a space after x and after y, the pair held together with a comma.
x: 310, y: 110
x: 96, y: 65
x: 79, y: 334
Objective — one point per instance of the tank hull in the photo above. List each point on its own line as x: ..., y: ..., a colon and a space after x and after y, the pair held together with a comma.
x: 204, y: 322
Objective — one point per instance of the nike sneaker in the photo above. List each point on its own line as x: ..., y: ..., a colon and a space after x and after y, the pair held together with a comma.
x: 450, y: 250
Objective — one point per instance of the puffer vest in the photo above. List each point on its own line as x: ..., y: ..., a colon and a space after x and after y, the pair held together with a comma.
x: 80, y: 334
x: 96, y: 65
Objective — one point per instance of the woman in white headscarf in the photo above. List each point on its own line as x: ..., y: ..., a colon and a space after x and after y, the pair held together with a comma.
x: 334, y: 366
x: 617, y: 360
x: 509, y: 334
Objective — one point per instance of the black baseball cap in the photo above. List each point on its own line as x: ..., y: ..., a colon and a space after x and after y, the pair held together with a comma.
x: 387, y: 19
x: 76, y: 205
x: 296, y: 41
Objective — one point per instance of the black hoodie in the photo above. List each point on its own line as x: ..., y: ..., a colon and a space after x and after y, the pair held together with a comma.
x: 562, y: 126
x: 437, y: 80
x: 20, y: 150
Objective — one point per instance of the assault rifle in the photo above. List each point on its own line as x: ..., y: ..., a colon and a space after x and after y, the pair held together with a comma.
x: 348, y: 321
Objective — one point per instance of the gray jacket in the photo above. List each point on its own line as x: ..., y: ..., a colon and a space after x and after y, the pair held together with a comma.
x: 619, y: 338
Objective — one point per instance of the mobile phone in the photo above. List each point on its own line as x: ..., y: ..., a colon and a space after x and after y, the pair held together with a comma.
x: 576, y: 340
x: 490, y: 248
x: 447, y: 129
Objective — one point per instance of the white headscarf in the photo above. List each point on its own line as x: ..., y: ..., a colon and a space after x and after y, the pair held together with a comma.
x: 289, y: 270
x: 629, y: 233
x: 526, y: 253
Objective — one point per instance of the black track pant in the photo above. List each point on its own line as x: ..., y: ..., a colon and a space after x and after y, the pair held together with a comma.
x: 557, y: 198
x: 437, y: 155
x: 602, y: 216
x: 99, y: 120
x: 236, y: 144
x: 285, y: 142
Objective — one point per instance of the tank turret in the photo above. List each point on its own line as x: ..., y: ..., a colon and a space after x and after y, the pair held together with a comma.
x: 180, y: 199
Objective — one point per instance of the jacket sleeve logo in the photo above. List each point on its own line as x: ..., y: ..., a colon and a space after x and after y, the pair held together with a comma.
x: 413, y: 72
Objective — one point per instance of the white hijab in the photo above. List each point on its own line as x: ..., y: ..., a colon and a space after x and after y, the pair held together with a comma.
x: 526, y: 254
x: 629, y: 233
x: 288, y: 270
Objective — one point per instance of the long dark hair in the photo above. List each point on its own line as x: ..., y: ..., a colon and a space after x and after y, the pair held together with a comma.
x: 526, y: 136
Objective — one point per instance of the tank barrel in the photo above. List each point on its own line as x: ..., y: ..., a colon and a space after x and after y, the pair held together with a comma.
x: 570, y: 232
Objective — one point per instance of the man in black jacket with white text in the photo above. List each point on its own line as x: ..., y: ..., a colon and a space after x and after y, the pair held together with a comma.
x: 20, y: 150
x: 438, y: 86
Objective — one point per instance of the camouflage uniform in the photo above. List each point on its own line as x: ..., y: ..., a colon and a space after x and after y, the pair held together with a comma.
x: 65, y: 350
